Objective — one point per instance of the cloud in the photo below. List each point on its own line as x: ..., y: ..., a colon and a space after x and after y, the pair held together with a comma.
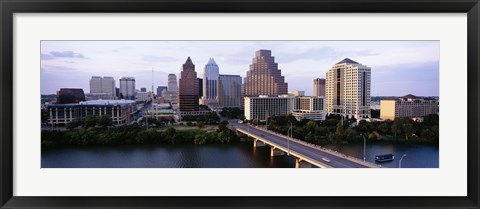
x: 322, y: 53
x: 57, y: 69
x: 46, y: 57
x: 159, y: 59
x: 67, y: 54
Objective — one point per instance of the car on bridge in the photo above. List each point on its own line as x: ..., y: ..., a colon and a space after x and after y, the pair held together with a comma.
x: 326, y: 159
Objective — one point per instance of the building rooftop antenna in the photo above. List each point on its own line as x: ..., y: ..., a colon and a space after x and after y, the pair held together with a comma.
x: 152, y: 86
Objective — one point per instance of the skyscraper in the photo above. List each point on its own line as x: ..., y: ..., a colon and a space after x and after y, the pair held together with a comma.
x: 143, y: 89
x: 229, y: 90
x: 200, y: 88
x: 210, y: 80
x: 160, y: 89
x: 172, y: 83
x: 264, y: 77
x: 102, y: 85
x: 96, y: 85
x: 188, y: 88
x: 348, y: 89
x: 127, y: 88
x: 318, y: 87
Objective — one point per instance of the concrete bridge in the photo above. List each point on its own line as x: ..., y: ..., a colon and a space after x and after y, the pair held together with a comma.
x: 305, y: 154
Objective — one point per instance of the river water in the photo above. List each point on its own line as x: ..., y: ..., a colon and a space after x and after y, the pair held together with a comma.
x: 238, y: 155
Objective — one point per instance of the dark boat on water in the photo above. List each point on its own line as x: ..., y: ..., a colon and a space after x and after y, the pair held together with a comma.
x: 384, y: 157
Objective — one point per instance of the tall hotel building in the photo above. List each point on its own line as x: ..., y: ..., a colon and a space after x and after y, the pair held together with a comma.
x: 319, y: 87
x: 188, y: 88
x: 230, y: 91
x: 127, y: 88
x: 210, y: 82
x: 264, y: 77
x: 103, y: 87
x: 172, y: 83
x: 409, y: 106
x: 347, y: 89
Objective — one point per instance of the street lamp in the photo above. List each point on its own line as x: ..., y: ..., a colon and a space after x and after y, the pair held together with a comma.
x: 290, y: 133
x: 400, y: 162
x: 266, y: 122
x: 364, y: 146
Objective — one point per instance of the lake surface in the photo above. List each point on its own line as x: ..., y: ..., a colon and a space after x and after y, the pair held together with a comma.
x: 238, y: 155
x: 417, y: 155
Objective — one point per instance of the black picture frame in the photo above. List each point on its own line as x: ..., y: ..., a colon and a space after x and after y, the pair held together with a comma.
x: 9, y: 7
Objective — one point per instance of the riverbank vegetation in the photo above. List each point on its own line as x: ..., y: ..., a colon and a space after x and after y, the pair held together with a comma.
x: 336, y: 130
x: 232, y: 113
x: 136, y: 134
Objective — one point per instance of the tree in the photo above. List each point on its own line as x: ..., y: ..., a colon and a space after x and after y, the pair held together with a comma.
x: 223, y: 125
x: 105, y: 121
x: 200, y: 139
x: 311, y: 126
x: 407, y: 129
x: 362, y: 127
x: 231, y: 112
x: 170, y: 132
x: 383, y: 128
x: 74, y: 124
x: 431, y: 119
x: 321, y: 131
x: 351, y: 134
x: 340, y: 132
x: 90, y: 121
x: 397, y: 127
x: 310, y: 137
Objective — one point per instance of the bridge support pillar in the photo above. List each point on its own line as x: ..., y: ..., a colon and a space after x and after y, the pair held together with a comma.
x: 299, y: 163
x: 276, y: 152
x: 258, y: 143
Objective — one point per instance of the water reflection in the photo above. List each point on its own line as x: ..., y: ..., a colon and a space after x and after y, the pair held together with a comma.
x: 241, y: 155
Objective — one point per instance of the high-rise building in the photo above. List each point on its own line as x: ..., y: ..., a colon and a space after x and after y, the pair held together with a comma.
x: 127, y: 88
x: 264, y: 77
x: 318, y: 87
x: 409, y: 106
x: 188, y: 88
x: 172, y: 83
x: 102, y: 85
x: 230, y: 91
x: 160, y: 89
x: 142, y: 96
x: 296, y: 93
x: 200, y: 88
x: 210, y: 81
x: 143, y: 89
x: 263, y: 107
x: 347, y: 89
x: 96, y: 84
x: 70, y: 96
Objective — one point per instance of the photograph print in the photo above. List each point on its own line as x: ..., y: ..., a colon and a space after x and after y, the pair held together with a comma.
x: 239, y: 104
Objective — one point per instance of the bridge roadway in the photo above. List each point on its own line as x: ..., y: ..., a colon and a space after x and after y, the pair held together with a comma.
x: 302, y: 150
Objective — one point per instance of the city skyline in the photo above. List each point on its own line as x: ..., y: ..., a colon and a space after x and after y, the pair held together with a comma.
x: 413, y: 65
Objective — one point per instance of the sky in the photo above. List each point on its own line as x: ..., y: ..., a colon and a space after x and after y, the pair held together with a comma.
x: 398, y: 67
